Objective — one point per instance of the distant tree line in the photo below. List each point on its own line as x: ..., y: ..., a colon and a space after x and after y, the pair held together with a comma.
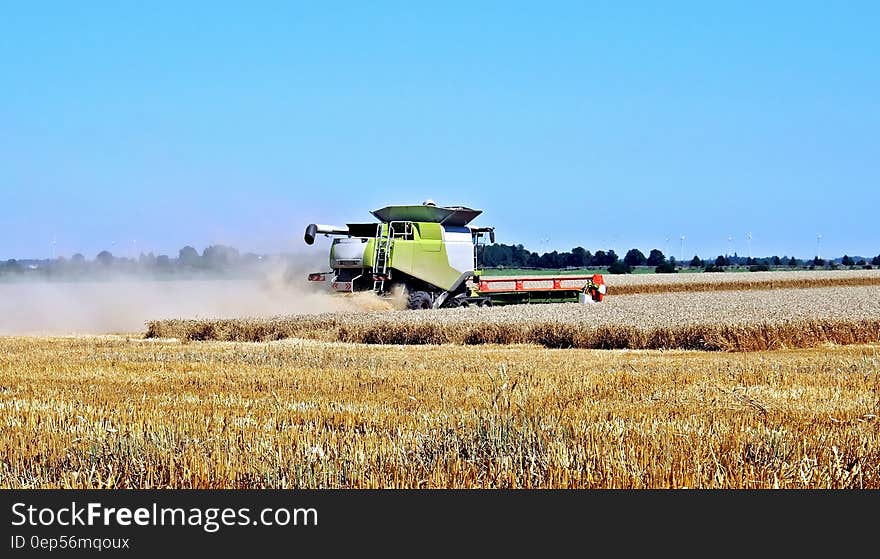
x: 222, y: 260
x: 213, y: 260
x: 517, y: 256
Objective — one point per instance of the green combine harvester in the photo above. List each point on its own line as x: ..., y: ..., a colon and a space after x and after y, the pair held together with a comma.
x: 432, y: 253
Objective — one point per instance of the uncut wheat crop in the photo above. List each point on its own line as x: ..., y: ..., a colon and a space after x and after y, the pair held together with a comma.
x: 713, y: 320
x: 626, y: 284
x: 132, y: 413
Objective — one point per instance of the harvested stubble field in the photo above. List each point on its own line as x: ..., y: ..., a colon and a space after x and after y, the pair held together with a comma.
x: 116, y: 412
x: 101, y: 412
x: 724, y: 320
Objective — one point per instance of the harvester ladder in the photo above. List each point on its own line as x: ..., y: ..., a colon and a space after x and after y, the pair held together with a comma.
x: 476, y: 240
x: 384, y: 246
x: 380, y: 256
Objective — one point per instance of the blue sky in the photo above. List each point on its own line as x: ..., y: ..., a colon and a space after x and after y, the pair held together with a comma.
x: 147, y: 126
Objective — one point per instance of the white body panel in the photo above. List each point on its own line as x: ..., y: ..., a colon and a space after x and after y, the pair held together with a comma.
x: 331, y: 229
x: 347, y: 253
x: 459, y: 247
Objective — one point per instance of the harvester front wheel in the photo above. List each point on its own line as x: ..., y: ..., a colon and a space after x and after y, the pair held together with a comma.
x: 455, y: 302
x: 419, y: 300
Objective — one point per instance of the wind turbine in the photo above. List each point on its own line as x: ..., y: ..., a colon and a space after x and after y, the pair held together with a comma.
x: 545, y: 243
x: 682, y: 247
x: 749, y: 240
x: 53, y: 243
x: 818, y: 242
x: 729, y: 246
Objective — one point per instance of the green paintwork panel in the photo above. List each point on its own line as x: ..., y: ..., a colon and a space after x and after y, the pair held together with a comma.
x: 369, y: 248
x: 424, y: 257
x: 403, y: 254
x: 422, y: 260
x: 429, y: 231
x: 430, y: 236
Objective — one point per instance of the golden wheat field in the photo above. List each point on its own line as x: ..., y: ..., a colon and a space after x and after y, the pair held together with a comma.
x: 103, y: 412
x: 709, y: 320
x: 620, y: 394
x: 626, y: 284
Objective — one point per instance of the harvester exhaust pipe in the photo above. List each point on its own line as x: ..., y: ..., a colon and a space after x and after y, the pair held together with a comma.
x: 313, y: 229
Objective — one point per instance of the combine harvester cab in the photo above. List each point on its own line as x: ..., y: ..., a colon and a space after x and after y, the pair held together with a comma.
x: 432, y: 252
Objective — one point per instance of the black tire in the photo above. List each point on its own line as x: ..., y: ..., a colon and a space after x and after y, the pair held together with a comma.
x: 419, y: 300
x: 456, y: 301
x: 485, y: 303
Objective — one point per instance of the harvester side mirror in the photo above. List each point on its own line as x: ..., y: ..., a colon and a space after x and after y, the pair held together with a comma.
x: 492, y: 236
x: 311, y: 231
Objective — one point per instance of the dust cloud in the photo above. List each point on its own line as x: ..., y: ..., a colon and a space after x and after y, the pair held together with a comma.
x: 123, y: 305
